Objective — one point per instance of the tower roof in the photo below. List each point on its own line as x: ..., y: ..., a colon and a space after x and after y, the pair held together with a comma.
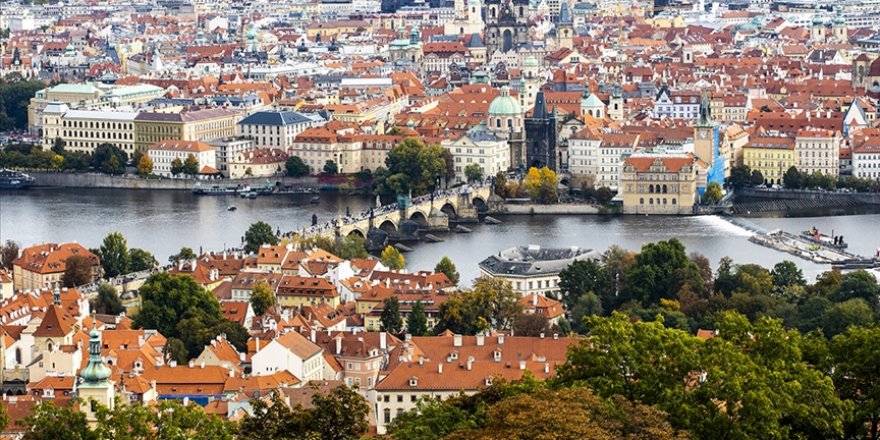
x: 96, y: 371
x: 505, y: 105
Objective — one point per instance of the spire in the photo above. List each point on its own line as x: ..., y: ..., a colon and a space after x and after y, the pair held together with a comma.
x: 540, y: 111
x: 56, y: 296
x: 564, y: 15
x: 705, y: 113
x: 96, y: 372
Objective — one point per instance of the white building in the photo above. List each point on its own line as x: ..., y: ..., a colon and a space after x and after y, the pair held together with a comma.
x: 165, y: 152
x: 481, y: 147
x: 84, y: 130
x: 292, y: 352
x: 817, y: 150
x: 276, y: 129
x: 533, y: 269
x: 677, y: 104
x: 866, y: 159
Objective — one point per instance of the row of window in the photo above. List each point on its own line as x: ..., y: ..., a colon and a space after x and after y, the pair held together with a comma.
x: 651, y: 201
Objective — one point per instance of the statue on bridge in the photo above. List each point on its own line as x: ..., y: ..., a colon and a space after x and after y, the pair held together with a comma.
x: 314, y: 219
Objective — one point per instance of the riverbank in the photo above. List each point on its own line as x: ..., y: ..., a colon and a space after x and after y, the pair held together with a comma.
x: 558, y: 209
x: 754, y: 200
x: 98, y: 180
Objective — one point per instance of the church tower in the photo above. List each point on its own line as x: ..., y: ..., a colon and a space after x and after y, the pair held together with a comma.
x: 704, y: 133
x: 540, y: 127
x: 531, y: 81
x: 615, y: 104
x: 838, y: 27
x: 507, y: 25
x: 564, y: 27
x: 817, y: 30
x: 95, y: 386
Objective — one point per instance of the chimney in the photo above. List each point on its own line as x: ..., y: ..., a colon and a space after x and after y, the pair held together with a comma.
x: 456, y: 340
x: 192, y: 363
x: 481, y: 340
x: 535, y: 299
x: 500, y: 339
x: 555, y: 336
x: 232, y: 372
x: 313, y: 336
x: 338, y: 344
x: 439, y: 367
x: 202, y: 365
x: 522, y: 365
x: 383, y: 340
x: 153, y: 384
x: 546, y: 368
x: 172, y: 363
x: 541, y: 335
x: 257, y: 344
x: 470, y: 363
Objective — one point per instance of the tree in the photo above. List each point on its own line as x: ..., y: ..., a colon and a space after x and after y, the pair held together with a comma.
x: 500, y: 184
x: 145, y: 165
x: 331, y: 168
x: 843, y: 315
x: 258, y: 234
x: 413, y: 167
x: 351, y: 247
x: 8, y: 253
x: 447, y: 267
x: 262, y: 298
x: 417, y: 322
x: 114, y: 254
x: 340, y: 414
x: 491, y: 303
x: 249, y: 172
x: 141, y: 260
x: 583, y: 276
x: 603, y: 195
x: 855, y: 373
x: 112, y: 166
x: 77, y: 271
x: 296, y: 167
x: 107, y: 302
x: 473, y: 172
x: 50, y: 422
x: 102, y: 155
x: 531, y: 324
x: 713, y: 193
x: 392, y: 258
x: 432, y: 419
x: 858, y: 284
x: 792, y: 178
x: 191, y: 165
x: 185, y: 254
x: 660, y: 270
x: 785, y: 274
x: 740, y: 176
x: 541, y: 185
x: 177, y: 167
x: 390, y: 319
x: 757, y: 178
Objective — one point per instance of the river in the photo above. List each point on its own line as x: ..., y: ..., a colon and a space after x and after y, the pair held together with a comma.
x: 164, y: 221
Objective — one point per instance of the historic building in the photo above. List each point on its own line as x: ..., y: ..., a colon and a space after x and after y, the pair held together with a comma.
x: 506, y: 122
x: 479, y: 146
x: 540, y: 129
x: 95, y: 386
x: 707, y: 146
x: 468, y: 19
x: 507, y: 24
x: 658, y: 184
x: 818, y: 151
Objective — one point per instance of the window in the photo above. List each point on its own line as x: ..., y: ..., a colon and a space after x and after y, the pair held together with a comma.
x: 386, y: 414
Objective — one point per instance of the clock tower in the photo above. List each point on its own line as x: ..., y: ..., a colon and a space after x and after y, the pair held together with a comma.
x: 704, y: 134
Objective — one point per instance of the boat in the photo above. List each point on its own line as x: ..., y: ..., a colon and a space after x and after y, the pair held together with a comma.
x: 252, y: 194
x: 214, y: 190
x: 11, y: 179
x: 315, y: 200
x: 833, y: 241
x: 231, y: 208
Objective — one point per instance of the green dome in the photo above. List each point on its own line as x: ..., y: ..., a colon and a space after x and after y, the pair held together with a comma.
x: 817, y: 19
x: 838, y: 19
x: 96, y: 371
x: 505, y: 105
x: 530, y: 61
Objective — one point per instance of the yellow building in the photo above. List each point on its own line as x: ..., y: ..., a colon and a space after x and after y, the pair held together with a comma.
x: 84, y: 130
x: 296, y: 291
x: 198, y: 125
x: 658, y: 184
x: 771, y: 155
x: 89, y: 96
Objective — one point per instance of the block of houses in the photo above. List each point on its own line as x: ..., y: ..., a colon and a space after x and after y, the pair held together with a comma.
x: 43, y: 266
x: 290, y: 352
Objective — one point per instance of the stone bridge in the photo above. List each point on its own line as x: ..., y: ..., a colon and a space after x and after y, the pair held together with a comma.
x: 424, y: 214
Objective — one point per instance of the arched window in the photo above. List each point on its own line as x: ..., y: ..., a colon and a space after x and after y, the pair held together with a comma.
x: 664, y: 200
x: 49, y: 346
x: 651, y: 189
x: 498, y: 123
x: 17, y: 356
x: 651, y: 201
x: 642, y: 201
x: 664, y: 189
x: 673, y: 201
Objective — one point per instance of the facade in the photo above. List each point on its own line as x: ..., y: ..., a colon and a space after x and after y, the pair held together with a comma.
x: 165, y: 153
x: 84, y: 130
x: 677, y: 104
x: 479, y: 146
x: 227, y: 149
x: 43, y: 266
x: 507, y: 25
x: 707, y: 146
x: 771, y: 155
x: 540, y: 129
x: 533, y: 269
x: 296, y: 291
x: 89, y: 96
x: 276, y: 129
x: 658, y: 184
x: 506, y: 122
x: 196, y: 125
x: 818, y: 151
x: 866, y: 159
x: 290, y: 352
x: 261, y: 162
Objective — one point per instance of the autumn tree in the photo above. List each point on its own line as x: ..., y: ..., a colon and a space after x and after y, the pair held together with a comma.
x: 177, y: 167
x: 392, y: 258
x: 77, y: 271
x: 447, y: 267
x: 145, y: 165
x: 262, y: 298
x: 541, y: 185
x: 8, y: 253
x: 191, y: 165
x: 390, y: 318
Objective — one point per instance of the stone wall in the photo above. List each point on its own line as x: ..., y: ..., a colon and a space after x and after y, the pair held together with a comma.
x: 96, y: 180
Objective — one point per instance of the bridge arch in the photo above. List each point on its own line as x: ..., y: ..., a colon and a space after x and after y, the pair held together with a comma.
x: 420, y: 218
x: 389, y: 227
x: 356, y: 231
x: 449, y: 209
x: 480, y: 204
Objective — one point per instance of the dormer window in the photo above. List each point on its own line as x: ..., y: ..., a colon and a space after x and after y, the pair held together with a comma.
x: 453, y: 355
x: 488, y: 381
x: 413, y: 381
x: 497, y: 355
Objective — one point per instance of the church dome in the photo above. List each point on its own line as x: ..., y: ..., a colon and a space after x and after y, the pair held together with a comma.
x: 838, y: 19
x: 817, y: 19
x: 530, y: 61
x: 505, y: 105
x: 473, y: 3
x: 96, y: 371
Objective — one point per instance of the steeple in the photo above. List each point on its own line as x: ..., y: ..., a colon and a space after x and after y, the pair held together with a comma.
x: 705, y: 112
x: 96, y: 372
x: 56, y: 296
x: 540, y: 111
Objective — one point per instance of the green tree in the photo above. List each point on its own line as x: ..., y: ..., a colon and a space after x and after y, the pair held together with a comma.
x: 102, y: 155
x: 713, y: 193
x: 411, y: 166
x: 392, y: 258
x: 840, y: 316
x: 258, y: 234
x: 432, y: 419
x: 141, y: 260
x: 296, y: 167
x: 660, y: 270
x: 107, y: 302
x: 858, y: 284
x: 177, y: 167
x: 390, y: 319
x: 8, y: 253
x: 77, y: 271
x: 50, y: 422
x: 473, y: 172
x: 417, y: 322
x: 145, y: 165
x: 500, y: 184
x: 262, y: 298
x: 587, y: 304
x: 340, y: 414
x: 491, y: 303
x: 331, y: 168
x: 185, y: 254
x: 175, y: 350
x: 757, y: 178
x: 857, y: 377
x: 583, y: 276
x: 115, y: 258
x: 112, y: 166
x: 531, y: 324
x: 191, y: 165
x: 786, y: 273
x: 792, y: 178
x: 447, y: 267
x: 351, y: 247
x: 273, y: 419
x: 740, y: 176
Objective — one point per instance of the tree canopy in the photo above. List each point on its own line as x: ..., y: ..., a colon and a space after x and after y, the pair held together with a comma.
x: 258, y: 234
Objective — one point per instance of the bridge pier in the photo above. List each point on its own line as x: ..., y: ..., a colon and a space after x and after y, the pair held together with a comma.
x: 466, y: 212
x: 408, y: 230
x: 376, y: 240
x: 438, y: 220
